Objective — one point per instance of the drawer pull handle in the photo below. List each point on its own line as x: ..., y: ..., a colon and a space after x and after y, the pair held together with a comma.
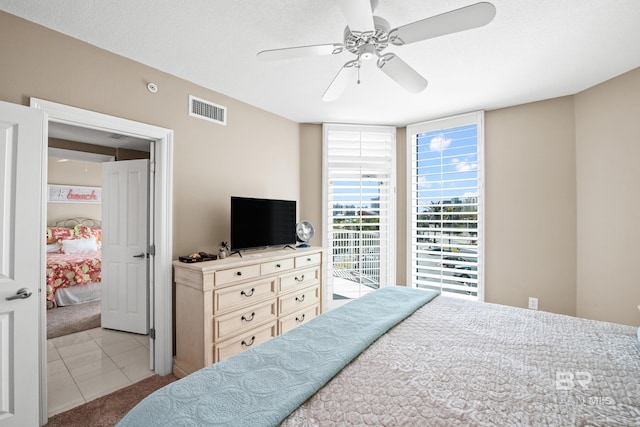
x: 300, y: 319
x: 238, y: 273
x: 248, y: 294
x: 308, y: 259
x: 300, y: 279
x: 277, y: 265
x: 248, y: 319
x: 250, y: 343
x: 300, y: 299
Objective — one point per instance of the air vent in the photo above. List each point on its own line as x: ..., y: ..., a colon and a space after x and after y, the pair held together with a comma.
x: 207, y: 110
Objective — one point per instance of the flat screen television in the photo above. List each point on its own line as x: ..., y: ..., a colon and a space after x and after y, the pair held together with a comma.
x: 261, y: 223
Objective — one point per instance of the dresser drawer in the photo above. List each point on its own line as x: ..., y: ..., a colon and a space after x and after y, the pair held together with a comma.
x: 249, y: 339
x: 298, y: 299
x: 276, y: 266
x: 236, y: 274
x: 299, y: 279
x: 244, y: 294
x: 291, y: 321
x: 311, y: 259
x: 243, y: 320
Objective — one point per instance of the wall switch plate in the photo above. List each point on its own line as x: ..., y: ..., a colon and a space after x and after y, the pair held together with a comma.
x: 533, y: 303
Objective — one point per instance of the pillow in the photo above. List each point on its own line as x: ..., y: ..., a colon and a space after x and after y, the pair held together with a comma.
x: 82, y: 231
x: 55, y: 234
x: 79, y: 245
x: 53, y: 248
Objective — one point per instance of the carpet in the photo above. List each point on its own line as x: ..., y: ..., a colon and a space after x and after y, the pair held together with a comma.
x: 108, y: 410
x: 73, y: 318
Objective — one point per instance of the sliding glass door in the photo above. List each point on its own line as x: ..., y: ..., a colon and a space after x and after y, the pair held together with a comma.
x: 359, y: 207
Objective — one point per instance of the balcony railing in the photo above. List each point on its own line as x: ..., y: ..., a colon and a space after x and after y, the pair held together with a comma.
x: 356, y: 257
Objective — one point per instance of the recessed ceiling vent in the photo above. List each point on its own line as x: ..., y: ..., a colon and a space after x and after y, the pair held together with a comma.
x: 207, y: 110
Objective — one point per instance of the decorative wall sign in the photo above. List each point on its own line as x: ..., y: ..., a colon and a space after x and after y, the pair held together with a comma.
x: 74, y: 194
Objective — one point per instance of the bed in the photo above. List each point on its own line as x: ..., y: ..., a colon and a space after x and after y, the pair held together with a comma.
x: 74, y: 261
x: 444, y: 362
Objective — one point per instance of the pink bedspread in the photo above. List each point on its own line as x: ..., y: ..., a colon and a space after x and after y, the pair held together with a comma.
x: 64, y: 270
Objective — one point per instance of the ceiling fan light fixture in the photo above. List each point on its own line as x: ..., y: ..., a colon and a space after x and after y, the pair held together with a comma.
x: 367, y: 35
x: 367, y: 52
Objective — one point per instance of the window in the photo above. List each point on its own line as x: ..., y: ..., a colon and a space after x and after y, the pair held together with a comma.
x: 359, y: 208
x: 445, y: 205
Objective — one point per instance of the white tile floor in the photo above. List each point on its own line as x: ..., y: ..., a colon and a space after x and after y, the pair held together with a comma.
x: 86, y: 365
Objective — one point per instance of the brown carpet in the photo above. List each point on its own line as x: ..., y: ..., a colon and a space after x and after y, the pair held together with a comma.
x: 108, y: 410
x: 73, y: 318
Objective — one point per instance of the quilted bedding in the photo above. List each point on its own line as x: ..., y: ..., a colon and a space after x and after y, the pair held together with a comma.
x: 262, y: 385
x: 65, y: 270
x: 464, y: 363
x: 451, y: 363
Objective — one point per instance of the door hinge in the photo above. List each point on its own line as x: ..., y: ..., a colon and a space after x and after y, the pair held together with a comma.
x: 152, y: 250
x: 152, y: 333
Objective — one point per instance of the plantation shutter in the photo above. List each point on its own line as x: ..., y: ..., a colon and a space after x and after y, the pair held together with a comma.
x: 359, y: 205
x: 445, y: 205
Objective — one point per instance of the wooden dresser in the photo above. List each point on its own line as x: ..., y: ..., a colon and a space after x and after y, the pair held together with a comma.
x: 226, y: 306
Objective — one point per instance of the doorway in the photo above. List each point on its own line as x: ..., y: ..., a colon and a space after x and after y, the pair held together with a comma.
x: 88, y: 207
x: 160, y: 248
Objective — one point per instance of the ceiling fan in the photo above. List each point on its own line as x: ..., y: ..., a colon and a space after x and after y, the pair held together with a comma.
x: 367, y: 36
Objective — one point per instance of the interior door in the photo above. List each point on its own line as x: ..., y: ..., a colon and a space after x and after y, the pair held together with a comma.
x: 21, y: 251
x: 125, y: 261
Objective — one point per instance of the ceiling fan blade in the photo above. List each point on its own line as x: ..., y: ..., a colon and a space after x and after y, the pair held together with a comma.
x: 300, y: 52
x: 341, y: 81
x: 358, y: 14
x: 402, y: 73
x: 465, y: 18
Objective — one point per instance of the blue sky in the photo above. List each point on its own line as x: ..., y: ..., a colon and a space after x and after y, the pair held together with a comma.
x: 445, y: 156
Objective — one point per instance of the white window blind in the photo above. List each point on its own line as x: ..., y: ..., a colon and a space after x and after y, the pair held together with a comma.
x: 359, y: 206
x: 445, y: 205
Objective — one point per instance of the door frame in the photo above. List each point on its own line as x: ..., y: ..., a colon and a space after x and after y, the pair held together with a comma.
x: 161, y: 233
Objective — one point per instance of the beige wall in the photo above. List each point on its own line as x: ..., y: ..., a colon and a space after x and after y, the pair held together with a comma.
x: 87, y: 174
x: 608, y: 220
x: 256, y: 154
x: 547, y: 164
x: 530, y: 205
x: 401, y: 206
x: 311, y: 178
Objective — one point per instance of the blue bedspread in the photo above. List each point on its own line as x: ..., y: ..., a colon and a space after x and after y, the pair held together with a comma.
x: 263, y: 385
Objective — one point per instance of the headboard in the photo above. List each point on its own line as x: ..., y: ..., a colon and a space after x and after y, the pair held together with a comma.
x: 72, y: 222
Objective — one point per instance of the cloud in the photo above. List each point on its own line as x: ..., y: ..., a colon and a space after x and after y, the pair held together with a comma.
x: 423, y: 183
x: 464, y: 165
x: 439, y: 143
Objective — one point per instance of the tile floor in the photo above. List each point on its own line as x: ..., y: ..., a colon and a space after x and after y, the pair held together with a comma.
x: 86, y: 365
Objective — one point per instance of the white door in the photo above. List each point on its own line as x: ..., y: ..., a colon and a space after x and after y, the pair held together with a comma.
x: 21, y: 251
x: 125, y: 246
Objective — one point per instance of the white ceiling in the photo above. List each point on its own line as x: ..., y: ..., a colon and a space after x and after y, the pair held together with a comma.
x: 97, y: 137
x: 532, y: 50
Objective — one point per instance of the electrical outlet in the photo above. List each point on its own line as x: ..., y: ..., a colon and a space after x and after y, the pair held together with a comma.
x: 533, y: 303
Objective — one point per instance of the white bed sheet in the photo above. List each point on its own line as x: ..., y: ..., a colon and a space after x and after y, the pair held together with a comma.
x: 78, y: 294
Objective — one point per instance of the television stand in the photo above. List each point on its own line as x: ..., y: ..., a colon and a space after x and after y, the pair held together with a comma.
x: 236, y: 252
x: 289, y: 246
